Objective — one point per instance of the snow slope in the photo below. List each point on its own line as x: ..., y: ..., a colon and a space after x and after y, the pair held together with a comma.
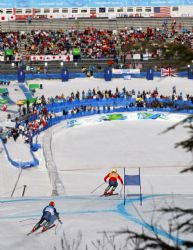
x: 82, y: 156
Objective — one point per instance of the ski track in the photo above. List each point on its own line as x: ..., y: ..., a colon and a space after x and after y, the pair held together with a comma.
x: 119, y: 209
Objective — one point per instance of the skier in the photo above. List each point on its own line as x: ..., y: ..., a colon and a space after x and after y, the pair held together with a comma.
x: 49, y: 216
x: 112, y: 176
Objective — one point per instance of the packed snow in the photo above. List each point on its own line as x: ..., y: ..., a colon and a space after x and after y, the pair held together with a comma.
x: 82, y: 156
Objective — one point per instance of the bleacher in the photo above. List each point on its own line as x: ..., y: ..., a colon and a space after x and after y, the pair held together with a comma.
x: 99, y: 23
x: 80, y: 25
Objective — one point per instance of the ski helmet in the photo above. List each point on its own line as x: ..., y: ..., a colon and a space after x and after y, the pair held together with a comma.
x: 114, y: 170
x: 52, y: 203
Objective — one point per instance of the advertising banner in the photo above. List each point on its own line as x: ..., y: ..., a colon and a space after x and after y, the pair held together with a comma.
x: 9, y: 52
x: 64, y: 58
x: 125, y: 71
x: 89, y: 3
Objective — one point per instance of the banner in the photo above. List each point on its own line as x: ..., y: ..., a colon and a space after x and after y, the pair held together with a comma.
x: 64, y: 58
x: 88, y: 3
x: 125, y: 71
x: 145, y: 57
x: 9, y: 52
x: 17, y: 58
x: 136, y: 56
x: 76, y: 51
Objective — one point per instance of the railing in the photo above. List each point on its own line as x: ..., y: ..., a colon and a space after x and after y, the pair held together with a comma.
x: 116, y: 102
x: 109, y: 106
x: 53, y: 121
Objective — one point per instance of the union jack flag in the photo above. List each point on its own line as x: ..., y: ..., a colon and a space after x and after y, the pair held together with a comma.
x: 168, y: 72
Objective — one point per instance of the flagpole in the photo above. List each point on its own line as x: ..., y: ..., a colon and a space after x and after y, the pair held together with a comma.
x: 124, y: 186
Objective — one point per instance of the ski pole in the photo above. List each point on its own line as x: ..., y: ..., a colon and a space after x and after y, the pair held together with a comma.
x: 121, y: 191
x: 28, y: 219
x: 97, y: 187
x: 58, y: 227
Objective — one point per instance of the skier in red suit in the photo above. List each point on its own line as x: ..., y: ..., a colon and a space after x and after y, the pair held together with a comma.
x: 112, y: 177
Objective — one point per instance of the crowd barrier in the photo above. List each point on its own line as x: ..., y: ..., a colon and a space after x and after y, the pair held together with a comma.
x: 113, y: 102
x: 29, y: 164
x: 53, y: 121
x: 31, y: 76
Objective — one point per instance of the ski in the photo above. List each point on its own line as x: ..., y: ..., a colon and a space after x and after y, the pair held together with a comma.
x: 46, y: 229
x: 31, y: 232
x: 107, y: 195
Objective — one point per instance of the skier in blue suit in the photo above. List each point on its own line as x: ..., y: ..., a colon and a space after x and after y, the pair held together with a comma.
x: 49, y: 216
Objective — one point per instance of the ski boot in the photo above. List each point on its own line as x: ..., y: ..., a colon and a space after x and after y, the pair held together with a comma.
x: 106, y: 192
x: 44, y: 229
x: 35, y: 228
x: 111, y: 192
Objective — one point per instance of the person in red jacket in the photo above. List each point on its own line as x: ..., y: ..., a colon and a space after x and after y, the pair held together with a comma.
x: 112, y: 178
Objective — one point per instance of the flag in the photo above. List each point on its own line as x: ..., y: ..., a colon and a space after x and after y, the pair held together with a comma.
x: 162, y: 12
x: 133, y: 180
x: 168, y: 72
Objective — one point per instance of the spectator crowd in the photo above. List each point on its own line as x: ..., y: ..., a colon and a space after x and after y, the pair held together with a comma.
x: 93, y: 43
x: 33, y: 117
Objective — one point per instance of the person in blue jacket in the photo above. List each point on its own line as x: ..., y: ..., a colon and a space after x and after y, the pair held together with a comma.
x: 48, y: 217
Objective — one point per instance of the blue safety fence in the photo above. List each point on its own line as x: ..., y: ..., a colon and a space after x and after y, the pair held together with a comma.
x: 17, y: 164
x: 81, y: 75
x: 53, y: 121
x: 115, y: 102
x: 141, y: 75
x: 110, y: 105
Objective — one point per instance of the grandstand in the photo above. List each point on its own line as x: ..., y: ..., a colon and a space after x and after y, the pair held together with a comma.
x: 174, y: 18
x: 68, y: 113
x: 18, y: 10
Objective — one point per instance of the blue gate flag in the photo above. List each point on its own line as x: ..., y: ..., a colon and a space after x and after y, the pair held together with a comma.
x: 133, y: 180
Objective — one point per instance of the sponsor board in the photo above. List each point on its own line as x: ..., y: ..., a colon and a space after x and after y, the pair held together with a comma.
x: 132, y: 116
